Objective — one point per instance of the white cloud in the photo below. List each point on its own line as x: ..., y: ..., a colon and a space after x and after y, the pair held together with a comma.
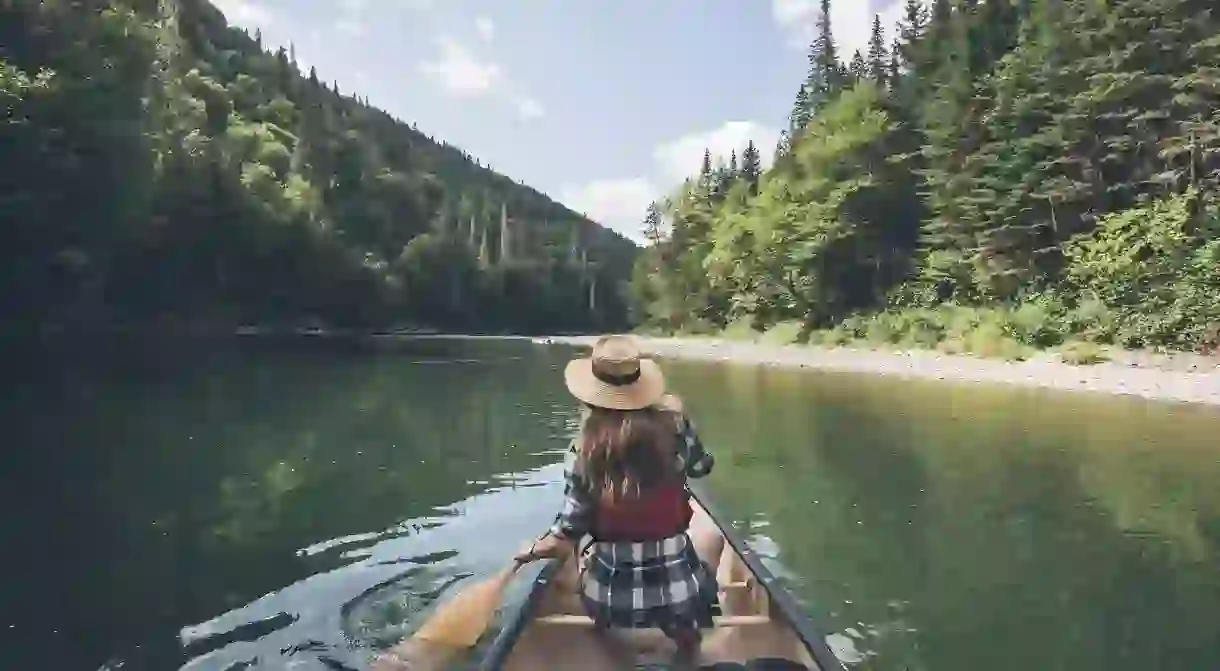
x: 529, y: 108
x: 460, y: 72
x: 351, y: 27
x: 798, y: 18
x: 485, y: 28
x: 617, y: 203
x: 620, y: 203
x: 244, y: 12
x: 850, y: 22
x: 680, y: 158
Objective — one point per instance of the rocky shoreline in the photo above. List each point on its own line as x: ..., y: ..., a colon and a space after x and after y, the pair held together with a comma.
x: 1184, y: 378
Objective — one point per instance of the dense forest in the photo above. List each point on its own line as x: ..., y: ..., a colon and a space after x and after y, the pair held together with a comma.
x: 993, y: 176
x: 164, y: 167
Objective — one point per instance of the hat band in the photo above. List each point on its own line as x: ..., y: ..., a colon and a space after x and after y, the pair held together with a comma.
x: 617, y: 380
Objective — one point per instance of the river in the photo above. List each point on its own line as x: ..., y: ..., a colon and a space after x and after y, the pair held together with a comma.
x: 293, y: 504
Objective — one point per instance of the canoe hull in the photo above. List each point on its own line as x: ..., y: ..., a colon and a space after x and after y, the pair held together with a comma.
x: 758, y: 619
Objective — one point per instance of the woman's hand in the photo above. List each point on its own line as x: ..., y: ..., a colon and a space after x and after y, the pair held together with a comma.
x: 549, y: 546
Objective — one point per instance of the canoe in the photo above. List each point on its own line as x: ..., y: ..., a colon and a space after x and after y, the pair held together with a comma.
x: 760, y: 625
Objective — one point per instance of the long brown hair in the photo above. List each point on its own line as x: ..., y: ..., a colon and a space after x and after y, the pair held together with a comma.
x: 624, y: 453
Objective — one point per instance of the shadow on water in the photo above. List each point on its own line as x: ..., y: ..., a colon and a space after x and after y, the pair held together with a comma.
x: 271, y: 483
x: 937, y: 526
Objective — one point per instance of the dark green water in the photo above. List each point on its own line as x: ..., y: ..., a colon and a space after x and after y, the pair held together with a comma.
x: 293, y: 505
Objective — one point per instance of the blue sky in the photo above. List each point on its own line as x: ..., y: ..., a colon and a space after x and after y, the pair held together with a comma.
x: 602, y: 104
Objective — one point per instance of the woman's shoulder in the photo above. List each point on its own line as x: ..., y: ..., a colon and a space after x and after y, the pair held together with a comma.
x: 672, y: 403
x: 675, y: 409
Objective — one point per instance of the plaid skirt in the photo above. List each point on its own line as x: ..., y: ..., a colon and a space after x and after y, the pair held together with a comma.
x: 659, y: 583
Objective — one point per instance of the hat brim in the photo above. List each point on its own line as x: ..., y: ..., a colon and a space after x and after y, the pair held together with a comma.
x: 640, y: 394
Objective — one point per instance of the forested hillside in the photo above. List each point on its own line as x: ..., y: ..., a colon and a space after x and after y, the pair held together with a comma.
x: 161, y: 165
x: 991, y: 176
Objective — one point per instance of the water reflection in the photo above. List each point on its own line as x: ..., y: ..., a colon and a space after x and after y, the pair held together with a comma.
x: 295, y: 508
x: 250, y: 495
x: 344, y: 615
x: 964, y: 527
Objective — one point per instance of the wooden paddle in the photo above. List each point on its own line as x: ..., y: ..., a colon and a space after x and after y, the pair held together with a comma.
x: 454, y: 626
x: 460, y: 622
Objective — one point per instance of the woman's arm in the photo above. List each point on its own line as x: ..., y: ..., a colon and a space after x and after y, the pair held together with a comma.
x: 576, y: 516
x: 698, y: 461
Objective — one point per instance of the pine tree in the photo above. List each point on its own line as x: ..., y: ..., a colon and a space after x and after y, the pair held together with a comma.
x: 878, y: 59
x: 858, y: 70
x: 652, y: 223
x: 751, y: 166
x: 733, y: 164
x: 940, y: 23
x: 825, y: 76
x: 783, y: 145
x: 705, y: 170
x: 911, y: 32
x: 800, y: 110
x: 996, y: 30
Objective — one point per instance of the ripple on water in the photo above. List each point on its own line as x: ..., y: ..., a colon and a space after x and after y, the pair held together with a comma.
x: 339, y: 616
x: 196, y: 644
x: 385, y: 613
x: 890, y: 639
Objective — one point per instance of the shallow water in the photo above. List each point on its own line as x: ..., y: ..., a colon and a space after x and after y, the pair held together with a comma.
x: 299, y: 504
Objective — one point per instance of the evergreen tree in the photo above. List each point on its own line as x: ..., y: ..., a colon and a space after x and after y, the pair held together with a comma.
x: 751, y: 166
x: 825, y: 77
x: 783, y: 145
x: 227, y: 186
x: 858, y: 69
x: 652, y: 224
x: 800, y: 110
x: 1020, y: 144
x: 911, y: 32
x: 733, y: 164
x: 878, y: 59
x: 940, y: 24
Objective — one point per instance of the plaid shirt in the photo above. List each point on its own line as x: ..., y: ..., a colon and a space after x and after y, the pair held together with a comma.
x: 576, y: 516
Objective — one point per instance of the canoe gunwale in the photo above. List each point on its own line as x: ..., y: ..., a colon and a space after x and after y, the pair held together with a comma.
x: 520, y: 618
x: 781, y: 601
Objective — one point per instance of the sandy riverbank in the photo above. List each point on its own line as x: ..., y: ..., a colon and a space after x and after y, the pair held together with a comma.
x: 1185, y: 378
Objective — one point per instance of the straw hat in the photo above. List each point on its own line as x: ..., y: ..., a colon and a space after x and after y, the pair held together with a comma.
x: 614, y: 376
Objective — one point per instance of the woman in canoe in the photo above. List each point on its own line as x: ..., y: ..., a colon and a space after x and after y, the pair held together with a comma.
x: 626, y: 474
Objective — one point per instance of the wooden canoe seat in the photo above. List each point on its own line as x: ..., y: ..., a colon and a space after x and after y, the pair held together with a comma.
x: 721, y: 622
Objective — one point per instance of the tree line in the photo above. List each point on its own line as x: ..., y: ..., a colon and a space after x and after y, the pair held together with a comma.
x: 163, y: 165
x: 995, y: 176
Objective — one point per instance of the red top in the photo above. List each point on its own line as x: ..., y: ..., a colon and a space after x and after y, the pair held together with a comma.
x: 658, y: 513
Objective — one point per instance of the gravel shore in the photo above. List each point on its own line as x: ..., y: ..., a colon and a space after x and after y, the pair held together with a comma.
x: 1177, y: 377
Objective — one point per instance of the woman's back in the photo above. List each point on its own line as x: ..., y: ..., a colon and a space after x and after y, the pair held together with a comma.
x: 625, y: 488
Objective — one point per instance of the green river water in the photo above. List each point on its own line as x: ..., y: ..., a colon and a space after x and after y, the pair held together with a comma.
x: 297, y: 504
